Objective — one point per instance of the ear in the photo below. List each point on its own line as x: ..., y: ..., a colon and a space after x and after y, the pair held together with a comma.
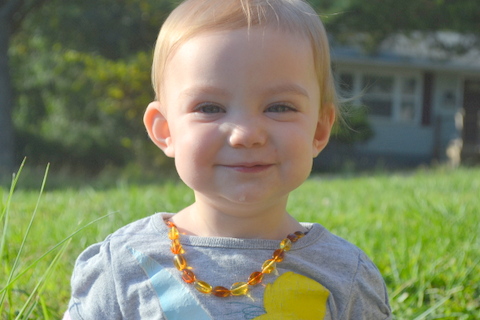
x: 326, y: 118
x: 157, y: 127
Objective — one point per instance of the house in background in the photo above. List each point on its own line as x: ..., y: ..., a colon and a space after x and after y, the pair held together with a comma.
x: 423, y: 101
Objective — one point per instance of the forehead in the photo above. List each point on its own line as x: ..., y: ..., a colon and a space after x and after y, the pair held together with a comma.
x: 251, y: 40
x: 233, y: 56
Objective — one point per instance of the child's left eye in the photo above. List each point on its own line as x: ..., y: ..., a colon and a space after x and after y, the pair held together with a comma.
x: 280, y: 108
x: 209, y: 108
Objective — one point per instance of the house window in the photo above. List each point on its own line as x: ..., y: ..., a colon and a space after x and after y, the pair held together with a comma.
x: 409, y: 108
x: 394, y: 97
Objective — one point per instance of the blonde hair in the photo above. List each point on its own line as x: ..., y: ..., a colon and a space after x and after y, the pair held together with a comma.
x: 192, y: 17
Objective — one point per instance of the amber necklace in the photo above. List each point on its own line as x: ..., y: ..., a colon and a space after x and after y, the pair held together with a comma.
x: 238, y: 288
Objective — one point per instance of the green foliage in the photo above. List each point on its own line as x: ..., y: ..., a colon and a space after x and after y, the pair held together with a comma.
x: 378, y: 19
x: 13, y: 303
x: 83, y: 81
x: 60, y: 118
x: 353, y: 127
x: 82, y: 110
x: 26, y: 275
x: 110, y: 28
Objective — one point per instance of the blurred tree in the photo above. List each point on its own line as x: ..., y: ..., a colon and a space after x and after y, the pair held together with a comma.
x: 82, y: 73
x: 378, y: 19
x: 353, y: 127
x: 12, y: 14
x: 113, y: 29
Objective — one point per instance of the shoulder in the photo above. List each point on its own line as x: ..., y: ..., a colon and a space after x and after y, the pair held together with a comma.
x: 368, y: 297
x: 104, y: 269
x: 143, y: 233
x: 357, y: 288
x: 330, y: 251
x: 92, y: 284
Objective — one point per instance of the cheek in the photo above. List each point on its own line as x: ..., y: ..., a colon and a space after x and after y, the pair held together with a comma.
x: 194, y: 151
x: 298, y: 140
x: 298, y: 149
x: 189, y: 165
x: 190, y: 151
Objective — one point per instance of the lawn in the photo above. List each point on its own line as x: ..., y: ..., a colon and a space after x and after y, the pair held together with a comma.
x: 421, y: 228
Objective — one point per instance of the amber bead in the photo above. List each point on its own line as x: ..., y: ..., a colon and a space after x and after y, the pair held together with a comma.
x: 188, y: 276
x: 255, y: 278
x: 269, y: 266
x: 176, y: 247
x: 170, y: 224
x: 179, y: 262
x: 203, y: 287
x: 221, y: 292
x: 278, y: 255
x: 293, y: 237
x: 299, y: 234
x: 173, y: 233
x: 239, y: 288
x: 286, y: 244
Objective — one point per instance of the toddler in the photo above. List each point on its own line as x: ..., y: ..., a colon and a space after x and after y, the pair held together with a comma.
x: 245, y: 100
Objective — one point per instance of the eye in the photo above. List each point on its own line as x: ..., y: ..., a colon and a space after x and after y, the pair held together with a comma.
x: 281, y: 107
x: 209, y: 108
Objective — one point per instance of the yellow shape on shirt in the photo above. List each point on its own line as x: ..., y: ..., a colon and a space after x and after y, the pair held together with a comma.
x: 293, y: 296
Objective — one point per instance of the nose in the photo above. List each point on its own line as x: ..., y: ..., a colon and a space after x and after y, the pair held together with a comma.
x: 248, y: 133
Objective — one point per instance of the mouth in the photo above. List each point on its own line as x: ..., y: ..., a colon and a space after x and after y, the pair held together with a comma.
x: 249, y: 167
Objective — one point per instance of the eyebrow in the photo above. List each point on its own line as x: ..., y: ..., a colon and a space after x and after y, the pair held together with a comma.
x: 207, y: 89
x: 288, y: 88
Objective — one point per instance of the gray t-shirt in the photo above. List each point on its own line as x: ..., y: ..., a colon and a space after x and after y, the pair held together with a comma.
x: 131, y: 275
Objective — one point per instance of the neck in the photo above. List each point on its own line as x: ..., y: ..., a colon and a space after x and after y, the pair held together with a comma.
x: 243, y: 221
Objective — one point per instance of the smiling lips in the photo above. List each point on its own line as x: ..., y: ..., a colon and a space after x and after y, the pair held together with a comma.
x: 249, y: 167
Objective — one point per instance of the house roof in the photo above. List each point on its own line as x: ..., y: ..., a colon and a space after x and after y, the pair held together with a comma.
x: 445, y: 51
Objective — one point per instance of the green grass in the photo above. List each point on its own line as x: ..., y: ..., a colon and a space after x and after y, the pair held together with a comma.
x: 421, y: 229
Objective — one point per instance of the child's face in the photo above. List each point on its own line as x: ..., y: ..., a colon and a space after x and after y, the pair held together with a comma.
x: 242, y: 109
